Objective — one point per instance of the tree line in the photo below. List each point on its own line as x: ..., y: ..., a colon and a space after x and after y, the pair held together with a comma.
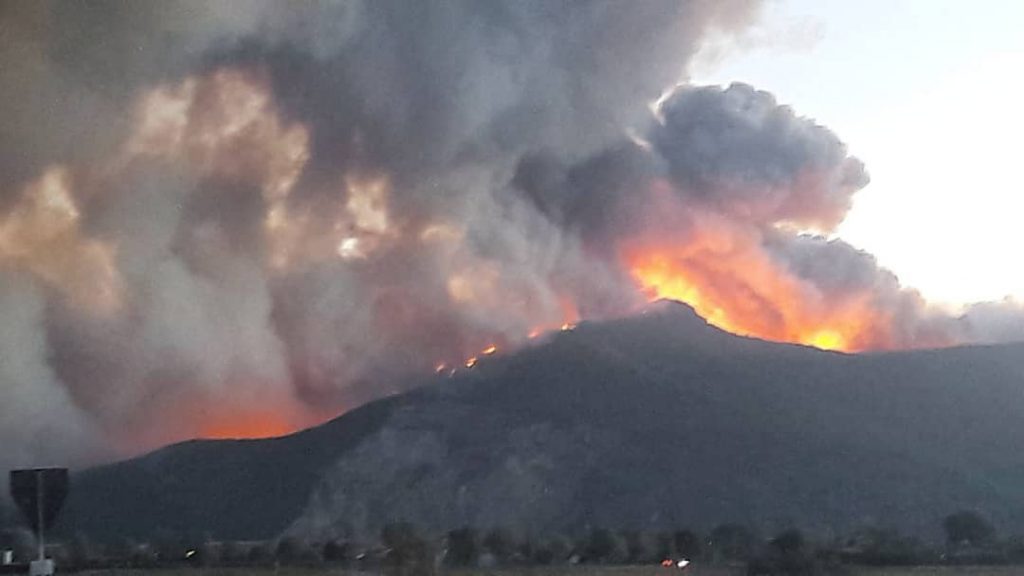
x: 402, y: 549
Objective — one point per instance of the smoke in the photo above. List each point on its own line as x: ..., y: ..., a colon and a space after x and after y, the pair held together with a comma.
x: 240, y: 218
x: 723, y: 203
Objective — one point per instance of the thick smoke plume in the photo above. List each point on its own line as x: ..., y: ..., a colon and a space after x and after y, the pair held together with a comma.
x: 240, y: 218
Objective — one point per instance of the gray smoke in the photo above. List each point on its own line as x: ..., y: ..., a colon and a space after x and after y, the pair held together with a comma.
x: 241, y: 217
x: 179, y: 180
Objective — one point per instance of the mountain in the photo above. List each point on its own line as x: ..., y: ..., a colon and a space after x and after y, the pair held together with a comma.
x: 653, y: 421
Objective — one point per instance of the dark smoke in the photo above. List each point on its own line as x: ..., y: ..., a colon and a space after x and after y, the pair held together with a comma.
x: 243, y: 217
x: 160, y: 293
x: 740, y: 152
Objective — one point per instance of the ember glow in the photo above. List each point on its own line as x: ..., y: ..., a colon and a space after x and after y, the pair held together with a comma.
x: 262, y: 424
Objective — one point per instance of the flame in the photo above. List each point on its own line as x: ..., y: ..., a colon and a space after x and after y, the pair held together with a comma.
x: 470, y: 362
x: 489, y: 350
x: 746, y: 294
x: 828, y: 340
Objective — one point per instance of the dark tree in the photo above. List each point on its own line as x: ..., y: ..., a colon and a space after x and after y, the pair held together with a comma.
x: 731, y: 542
x: 554, y: 550
x: 639, y: 547
x: 526, y: 549
x: 688, y: 544
x: 408, y: 553
x: 664, y: 547
x: 463, y: 547
x: 789, y: 542
x: 81, y: 551
x: 787, y: 554
x: 500, y: 543
x: 967, y: 527
x: 232, y: 552
x: 292, y: 550
x: 604, y: 546
x: 337, y: 551
x: 886, y: 547
x: 261, y: 554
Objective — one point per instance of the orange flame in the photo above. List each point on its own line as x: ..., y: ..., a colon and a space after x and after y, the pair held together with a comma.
x: 489, y: 350
x: 743, y: 292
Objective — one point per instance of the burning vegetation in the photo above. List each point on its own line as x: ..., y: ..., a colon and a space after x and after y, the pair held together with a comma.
x: 261, y: 221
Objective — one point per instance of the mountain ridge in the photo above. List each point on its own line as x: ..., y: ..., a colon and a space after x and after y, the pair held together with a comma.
x: 650, y: 421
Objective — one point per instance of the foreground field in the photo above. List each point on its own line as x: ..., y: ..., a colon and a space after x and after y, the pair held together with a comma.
x: 564, y: 571
x: 943, y: 571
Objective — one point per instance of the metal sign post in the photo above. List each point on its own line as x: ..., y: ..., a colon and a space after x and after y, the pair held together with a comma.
x: 39, y: 493
x: 40, y: 499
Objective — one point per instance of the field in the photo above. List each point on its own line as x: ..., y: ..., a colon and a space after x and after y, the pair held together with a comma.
x: 943, y: 571
x: 565, y: 571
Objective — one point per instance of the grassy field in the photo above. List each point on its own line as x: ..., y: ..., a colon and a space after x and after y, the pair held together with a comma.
x: 564, y: 571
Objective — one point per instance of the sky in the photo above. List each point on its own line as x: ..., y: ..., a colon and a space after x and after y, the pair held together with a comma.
x: 930, y: 95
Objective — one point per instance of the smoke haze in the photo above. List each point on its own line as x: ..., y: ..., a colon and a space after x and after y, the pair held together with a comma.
x: 236, y: 219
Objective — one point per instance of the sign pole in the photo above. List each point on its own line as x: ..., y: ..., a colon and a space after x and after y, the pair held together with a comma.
x: 40, y: 496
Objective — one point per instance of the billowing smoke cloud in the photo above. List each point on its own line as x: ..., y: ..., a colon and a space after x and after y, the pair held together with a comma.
x: 723, y: 203
x: 239, y: 218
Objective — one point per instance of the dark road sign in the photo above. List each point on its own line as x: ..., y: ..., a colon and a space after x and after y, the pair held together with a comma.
x: 39, y: 493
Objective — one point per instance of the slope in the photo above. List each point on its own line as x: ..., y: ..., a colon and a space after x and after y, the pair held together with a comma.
x: 652, y: 421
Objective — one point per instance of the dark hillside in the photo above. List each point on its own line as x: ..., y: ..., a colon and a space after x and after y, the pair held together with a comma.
x: 653, y: 421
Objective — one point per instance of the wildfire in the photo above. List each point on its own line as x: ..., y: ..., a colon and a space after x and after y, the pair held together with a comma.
x: 42, y: 234
x: 489, y: 350
x: 743, y: 293
x: 262, y: 425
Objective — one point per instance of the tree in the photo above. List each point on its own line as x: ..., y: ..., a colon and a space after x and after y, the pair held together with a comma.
x: 463, y: 547
x: 292, y: 550
x: 605, y: 546
x: 640, y: 549
x: 789, y: 542
x: 408, y: 553
x: 886, y: 547
x: 500, y: 543
x: 731, y: 542
x: 554, y: 550
x: 337, y: 551
x: 688, y: 544
x: 81, y: 551
x: 967, y: 527
x: 664, y: 547
x: 787, y: 554
x: 232, y: 552
x: 261, y: 554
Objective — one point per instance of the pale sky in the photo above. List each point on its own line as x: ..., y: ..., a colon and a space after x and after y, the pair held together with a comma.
x: 930, y: 95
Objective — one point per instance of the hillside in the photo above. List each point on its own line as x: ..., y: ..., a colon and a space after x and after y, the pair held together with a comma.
x: 653, y: 421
